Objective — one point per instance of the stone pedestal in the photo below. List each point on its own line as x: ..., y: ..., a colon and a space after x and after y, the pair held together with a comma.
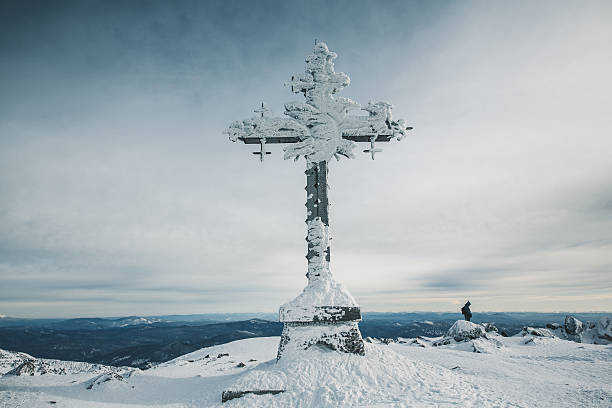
x: 334, y: 327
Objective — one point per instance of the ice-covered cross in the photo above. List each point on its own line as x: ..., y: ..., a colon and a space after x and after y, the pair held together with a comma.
x: 319, y: 129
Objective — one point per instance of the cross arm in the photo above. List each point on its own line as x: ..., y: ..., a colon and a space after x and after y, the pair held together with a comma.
x: 378, y: 123
x: 263, y: 130
x: 270, y: 139
x: 378, y: 126
x: 368, y: 137
x: 270, y: 129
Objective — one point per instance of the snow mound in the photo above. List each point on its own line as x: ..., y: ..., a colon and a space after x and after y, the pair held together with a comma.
x: 230, y: 358
x: 322, y: 288
x: 468, y: 336
x: 319, y: 378
x: 463, y: 330
x: 322, y: 292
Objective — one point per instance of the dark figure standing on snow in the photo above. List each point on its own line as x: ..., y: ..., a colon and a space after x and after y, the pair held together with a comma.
x: 465, y: 310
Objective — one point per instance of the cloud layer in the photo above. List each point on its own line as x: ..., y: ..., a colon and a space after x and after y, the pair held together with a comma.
x: 119, y: 194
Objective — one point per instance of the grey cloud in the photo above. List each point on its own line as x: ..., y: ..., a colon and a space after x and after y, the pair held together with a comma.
x: 464, y: 278
x: 116, y: 184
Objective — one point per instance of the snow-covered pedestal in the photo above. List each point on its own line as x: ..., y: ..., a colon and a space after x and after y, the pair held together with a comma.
x: 324, y: 314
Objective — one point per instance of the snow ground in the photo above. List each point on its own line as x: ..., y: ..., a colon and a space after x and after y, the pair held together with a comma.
x: 506, y: 372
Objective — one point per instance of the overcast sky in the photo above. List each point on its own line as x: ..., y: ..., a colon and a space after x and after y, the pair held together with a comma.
x: 120, y: 195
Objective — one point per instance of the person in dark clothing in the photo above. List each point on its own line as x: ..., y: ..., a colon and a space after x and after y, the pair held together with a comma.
x: 465, y: 310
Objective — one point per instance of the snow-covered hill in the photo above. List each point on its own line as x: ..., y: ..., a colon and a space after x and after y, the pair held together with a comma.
x: 21, y: 364
x: 487, y: 370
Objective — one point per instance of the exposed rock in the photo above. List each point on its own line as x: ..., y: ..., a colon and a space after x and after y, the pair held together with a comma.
x: 604, y: 328
x: 443, y: 341
x: 490, y: 327
x: 11, y: 359
x: 230, y: 395
x: 117, y: 375
x: 574, y: 330
x: 28, y: 367
x: 538, y: 332
x: 418, y: 343
x: 573, y: 326
x: 381, y: 340
x: 344, y: 337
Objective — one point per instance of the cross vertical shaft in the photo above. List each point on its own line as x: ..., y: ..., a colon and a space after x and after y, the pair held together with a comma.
x: 317, y: 203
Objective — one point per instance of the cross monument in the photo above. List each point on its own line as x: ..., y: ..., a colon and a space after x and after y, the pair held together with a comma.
x: 319, y: 129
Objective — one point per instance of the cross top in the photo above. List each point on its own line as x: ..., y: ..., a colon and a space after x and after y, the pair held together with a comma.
x: 321, y: 127
x: 320, y: 80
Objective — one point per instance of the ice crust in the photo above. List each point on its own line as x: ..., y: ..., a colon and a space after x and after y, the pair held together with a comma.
x: 322, y: 288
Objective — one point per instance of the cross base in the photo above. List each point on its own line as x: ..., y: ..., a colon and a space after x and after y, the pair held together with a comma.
x: 340, y: 336
x: 319, y: 314
x: 230, y: 395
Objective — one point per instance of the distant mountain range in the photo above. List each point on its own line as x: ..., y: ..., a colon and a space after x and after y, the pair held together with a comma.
x: 140, y: 341
x: 92, y: 323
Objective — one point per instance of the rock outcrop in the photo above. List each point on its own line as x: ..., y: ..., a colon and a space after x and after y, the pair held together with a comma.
x: 573, y: 326
x: 463, y: 330
x: 599, y: 332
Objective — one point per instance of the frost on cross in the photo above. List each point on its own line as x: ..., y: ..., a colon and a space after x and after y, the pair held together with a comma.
x: 318, y: 129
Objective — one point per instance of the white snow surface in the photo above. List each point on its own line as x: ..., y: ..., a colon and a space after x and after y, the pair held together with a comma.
x: 505, y: 372
x: 322, y: 292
